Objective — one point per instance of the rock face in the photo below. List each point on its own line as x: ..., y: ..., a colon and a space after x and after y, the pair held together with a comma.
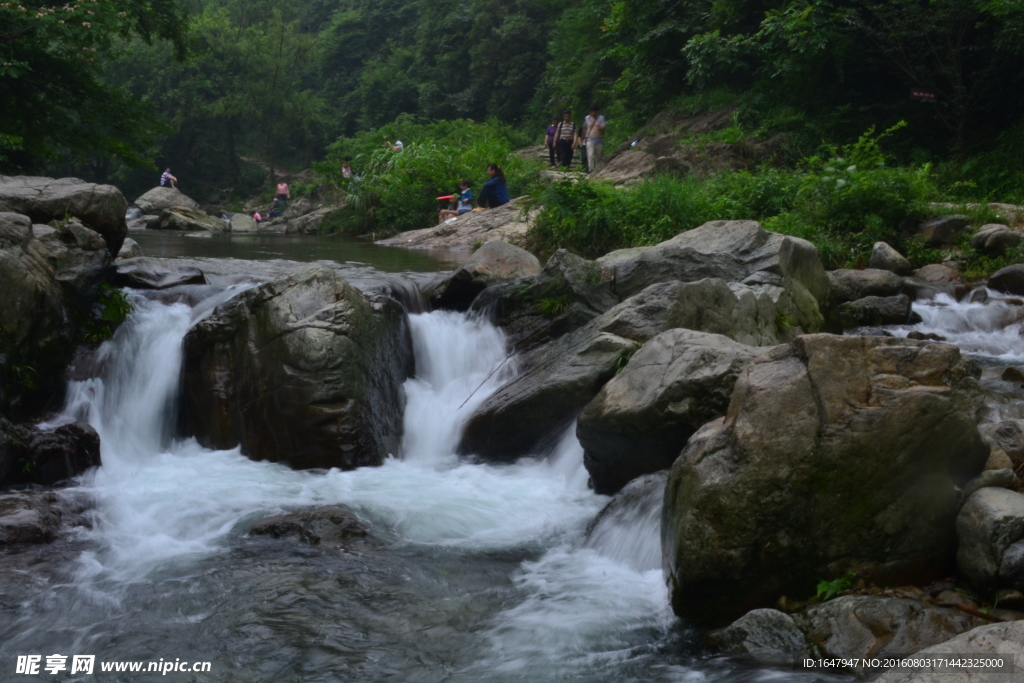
x: 305, y: 370
x: 181, y: 218
x: 767, y: 636
x: 875, y: 311
x: 505, y: 223
x: 155, y: 201
x: 31, y: 456
x: 558, y: 379
x: 1009, y: 280
x: 837, y: 454
x: 51, y: 279
x: 144, y: 273
x: 990, y: 521
x: 884, y: 257
x: 874, y: 626
x: 99, y: 207
x: 734, y: 251
x: 492, y: 263
x: 1006, y: 640
x: 995, y: 238
x: 640, y: 421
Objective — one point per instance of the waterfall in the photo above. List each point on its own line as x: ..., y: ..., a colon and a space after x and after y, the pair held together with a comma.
x: 994, y: 328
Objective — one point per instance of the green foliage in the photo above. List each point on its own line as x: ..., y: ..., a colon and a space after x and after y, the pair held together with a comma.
x: 830, y: 589
x: 398, y: 190
x: 25, y: 376
x: 784, y: 322
x: 113, y: 309
x: 622, y: 359
x: 552, y: 307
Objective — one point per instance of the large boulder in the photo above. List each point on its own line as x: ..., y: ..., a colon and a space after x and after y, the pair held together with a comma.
x: 305, y: 370
x: 51, y: 279
x: 509, y: 223
x: 155, y: 201
x: 851, y: 285
x: 884, y: 257
x: 242, y: 223
x: 147, y: 273
x: 990, y: 521
x: 558, y: 379
x: 1009, y: 280
x: 995, y: 238
x: 100, y: 207
x: 492, y: 263
x: 942, y: 231
x: 640, y: 421
x: 33, y: 456
x: 837, y: 454
x: 181, y: 218
x: 734, y: 251
x: 993, y: 641
x: 874, y: 311
x: 307, y: 223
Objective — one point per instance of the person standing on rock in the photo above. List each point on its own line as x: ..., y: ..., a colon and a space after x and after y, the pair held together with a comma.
x: 495, y: 191
x: 593, y: 137
x: 566, y: 139
x: 167, y: 180
x: 283, y: 193
x: 549, y: 141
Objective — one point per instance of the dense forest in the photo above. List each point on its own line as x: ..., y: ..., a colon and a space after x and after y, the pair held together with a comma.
x: 111, y: 89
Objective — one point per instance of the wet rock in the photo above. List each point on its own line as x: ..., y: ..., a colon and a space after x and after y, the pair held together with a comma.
x: 942, y: 231
x: 922, y: 336
x: 329, y: 527
x: 192, y: 220
x: 1001, y: 478
x: 145, y: 273
x: 130, y: 249
x: 874, y: 626
x: 155, y: 201
x: 837, y: 454
x: 305, y: 370
x: 1012, y: 374
x: 1006, y: 640
x: 990, y: 520
x: 874, y: 311
x: 994, y: 239
x: 641, y: 419
x: 32, y: 456
x: 851, y: 285
x: 99, y: 207
x: 938, y: 273
x: 1008, y: 280
x: 767, y: 636
x: 241, y: 223
x: 491, y: 264
x: 558, y: 379
x: 979, y: 296
x: 734, y: 251
x: 884, y: 257
x: 29, y: 518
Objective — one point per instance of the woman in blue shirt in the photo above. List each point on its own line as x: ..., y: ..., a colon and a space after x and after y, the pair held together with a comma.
x: 494, y: 192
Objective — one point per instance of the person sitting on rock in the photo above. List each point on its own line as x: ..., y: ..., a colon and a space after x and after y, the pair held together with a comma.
x: 495, y: 191
x: 167, y: 180
x: 256, y: 216
x: 465, y: 203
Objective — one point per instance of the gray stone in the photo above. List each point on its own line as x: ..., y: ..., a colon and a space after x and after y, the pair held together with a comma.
x: 994, y: 239
x: 155, y: 201
x: 838, y: 454
x: 491, y: 264
x: 641, y: 419
x: 15, y: 230
x: 1009, y: 436
x: 130, y: 249
x: 308, y: 223
x: 851, y: 285
x: 192, y: 220
x: 145, y: 273
x: 1001, y: 478
x: 1005, y: 640
x: 884, y: 257
x: 305, y: 370
x: 874, y: 311
x: 28, y: 518
x: 242, y: 223
x: 1008, y: 280
x: 938, y: 273
x: 942, y: 231
x: 734, y: 251
x: 1011, y: 566
x: 100, y: 207
x: 862, y: 626
x: 990, y: 520
x: 767, y: 636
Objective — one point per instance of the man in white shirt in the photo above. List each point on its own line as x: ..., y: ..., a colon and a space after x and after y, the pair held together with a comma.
x: 396, y: 146
x: 593, y: 136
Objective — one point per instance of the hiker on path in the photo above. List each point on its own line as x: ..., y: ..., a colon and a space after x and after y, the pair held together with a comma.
x: 566, y: 139
x: 593, y: 137
x: 549, y: 141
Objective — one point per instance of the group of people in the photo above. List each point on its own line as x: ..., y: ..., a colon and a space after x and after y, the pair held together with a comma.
x: 284, y: 195
x: 563, y: 137
x: 493, y: 194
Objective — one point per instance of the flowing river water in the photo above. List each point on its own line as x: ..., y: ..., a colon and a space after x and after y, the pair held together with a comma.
x: 472, y: 572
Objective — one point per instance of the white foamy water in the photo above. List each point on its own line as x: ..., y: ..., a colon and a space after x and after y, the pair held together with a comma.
x: 994, y: 328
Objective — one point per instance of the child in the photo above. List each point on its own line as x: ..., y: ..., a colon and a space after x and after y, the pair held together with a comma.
x: 465, y: 203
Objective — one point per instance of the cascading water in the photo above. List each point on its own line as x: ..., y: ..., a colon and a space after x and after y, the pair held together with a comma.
x: 992, y: 328
x: 480, y: 571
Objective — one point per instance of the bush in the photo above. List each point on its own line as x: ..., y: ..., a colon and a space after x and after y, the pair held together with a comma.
x: 398, y: 190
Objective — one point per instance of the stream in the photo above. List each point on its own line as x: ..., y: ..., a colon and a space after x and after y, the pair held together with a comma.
x: 472, y: 572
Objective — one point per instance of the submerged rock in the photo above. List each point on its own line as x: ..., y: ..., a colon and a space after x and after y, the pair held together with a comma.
x: 642, y: 418
x: 330, y: 527
x: 492, y: 263
x: 305, y: 370
x: 837, y: 454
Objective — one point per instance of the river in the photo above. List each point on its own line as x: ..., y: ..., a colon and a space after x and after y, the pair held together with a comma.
x: 471, y: 573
